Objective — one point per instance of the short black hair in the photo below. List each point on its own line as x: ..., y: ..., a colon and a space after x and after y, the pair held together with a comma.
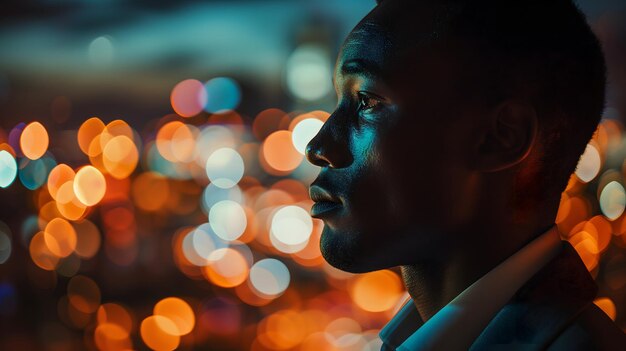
x: 543, y: 51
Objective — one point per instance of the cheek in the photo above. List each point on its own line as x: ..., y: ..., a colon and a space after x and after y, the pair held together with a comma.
x: 419, y: 177
x: 430, y: 182
x: 376, y: 197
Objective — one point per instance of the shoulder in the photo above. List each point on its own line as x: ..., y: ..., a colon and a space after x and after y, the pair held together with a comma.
x: 554, y: 311
x: 592, y: 329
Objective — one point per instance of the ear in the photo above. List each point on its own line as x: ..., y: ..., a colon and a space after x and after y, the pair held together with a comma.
x: 508, y: 137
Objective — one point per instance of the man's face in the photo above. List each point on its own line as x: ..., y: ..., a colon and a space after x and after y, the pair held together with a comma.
x: 393, y: 155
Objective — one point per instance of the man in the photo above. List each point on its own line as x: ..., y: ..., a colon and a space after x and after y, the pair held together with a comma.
x: 457, y: 127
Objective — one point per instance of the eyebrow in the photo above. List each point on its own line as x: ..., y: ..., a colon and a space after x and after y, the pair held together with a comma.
x: 360, y: 66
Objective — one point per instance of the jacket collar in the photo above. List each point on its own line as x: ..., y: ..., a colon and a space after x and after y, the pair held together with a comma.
x: 477, y: 304
x: 544, y: 306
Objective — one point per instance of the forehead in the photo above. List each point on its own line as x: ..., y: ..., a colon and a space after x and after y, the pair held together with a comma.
x: 388, y: 33
x: 369, y: 42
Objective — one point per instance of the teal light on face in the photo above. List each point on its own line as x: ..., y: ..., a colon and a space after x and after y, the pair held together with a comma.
x: 8, y: 169
x: 223, y: 95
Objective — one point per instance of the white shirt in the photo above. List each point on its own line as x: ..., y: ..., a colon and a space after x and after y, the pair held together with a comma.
x: 457, y: 325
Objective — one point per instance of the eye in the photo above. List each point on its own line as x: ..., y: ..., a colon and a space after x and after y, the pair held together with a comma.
x: 367, y: 102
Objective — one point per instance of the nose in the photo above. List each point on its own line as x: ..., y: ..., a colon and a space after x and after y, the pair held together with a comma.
x: 330, y: 146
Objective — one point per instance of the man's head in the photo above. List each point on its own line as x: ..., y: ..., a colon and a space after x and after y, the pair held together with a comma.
x: 445, y: 108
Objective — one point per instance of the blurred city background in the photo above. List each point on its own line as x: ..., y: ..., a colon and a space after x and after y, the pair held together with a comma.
x: 153, y: 188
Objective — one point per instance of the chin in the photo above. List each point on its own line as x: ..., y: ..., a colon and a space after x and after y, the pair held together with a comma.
x: 346, y: 250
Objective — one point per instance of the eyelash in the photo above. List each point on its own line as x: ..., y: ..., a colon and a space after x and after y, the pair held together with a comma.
x: 363, y: 106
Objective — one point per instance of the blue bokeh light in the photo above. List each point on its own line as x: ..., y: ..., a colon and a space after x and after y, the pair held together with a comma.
x: 224, y: 95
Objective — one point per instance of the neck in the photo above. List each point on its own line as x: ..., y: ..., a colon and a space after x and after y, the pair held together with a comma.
x: 432, y: 285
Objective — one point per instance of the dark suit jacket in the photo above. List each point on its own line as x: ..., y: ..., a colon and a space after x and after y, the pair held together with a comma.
x: 554, y: 310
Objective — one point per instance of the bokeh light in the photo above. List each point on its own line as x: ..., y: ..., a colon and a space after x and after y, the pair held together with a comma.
x: 110, y: 337
x: 589, y: 164
x: 88, y: 238
x: 112, y: 313
x: 33, y: 173
x: 213, y: 194
x: 304, y: 131
x: 5, y: 243
x: 160, y: 333
x: 14, y: 138
x: 227, y: 267
x: 100, y: 51
x: 292, y: 225
x: 606, y: 305
x: 188, y: 97
x: 175, y: 141
x: 40, y: 254
x: 223, y: 94
x: 376, y: 291
x: 60, y: 237
x: 267, y: 122
x: 613, y: 200
x: 8, y: 169
x: 200, y: 243
x: 59, y: 175
x: 34, y: 140
x: 178, y: 311
x: 211, y: 139
x: 83, y: 294
x: 282, y: 330
x: 586, y: 245
x: 270, y: 277
x: 228, y: 219
x: 89, y: 185
x: 309, y: 72
x: 225, y: 167
x: 68, y: 204
x: 120, y: 156
x: 279, y: 153
x: 114, y: 129
x: 87, y: 132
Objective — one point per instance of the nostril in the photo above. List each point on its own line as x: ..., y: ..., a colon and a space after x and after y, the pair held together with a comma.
x: 315, y: 156
x: 329, y: 147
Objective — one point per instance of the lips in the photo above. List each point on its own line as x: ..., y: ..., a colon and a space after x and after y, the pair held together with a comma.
x: 325, y: 202
x: 319, y: 194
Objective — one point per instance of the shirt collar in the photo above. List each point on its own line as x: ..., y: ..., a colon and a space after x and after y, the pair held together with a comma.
x: 469, y: 313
